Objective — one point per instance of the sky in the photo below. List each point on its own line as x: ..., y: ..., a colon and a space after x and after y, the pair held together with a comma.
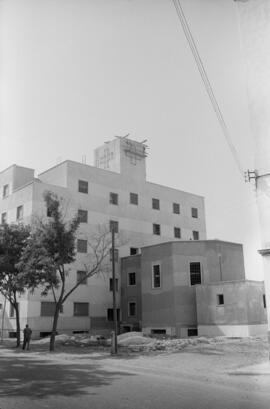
x: 75, y: 73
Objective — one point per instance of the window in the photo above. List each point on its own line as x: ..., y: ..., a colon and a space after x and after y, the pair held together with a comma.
x: 116, y: 255
x: 131, y: 278
x: 49, y: 212
x: 177, y: 232
x: 1, y: 306
x: 83, y: 186
x: 176, y: 208
x: 47, y: 308
x: 3, y: 218
x: 83, y: 216
x: 133, y: 251
x: 158, y: 331
x: 195, y: 273
x: 155, y: 204
x: 195, y: 235
x: 19, y: 215
x: 220, y: 299
x: 133, y: 198
x: 113, y: 198
x: 192, y: 332
x: 81, y: 277
x: 264, y: 301
x: 111, y: 284
x: 156, y: 276
x: 194, y: 212
x: 82, y: 246
x: 156, y: 229
x: 132, y: 309
x: 5, y: 191
x: 81, y: 309
x: 11, y: 311
x: 110, y: 314
x: 114, y: 225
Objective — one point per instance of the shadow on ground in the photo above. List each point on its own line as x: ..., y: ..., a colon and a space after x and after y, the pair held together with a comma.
x: 31, y: 376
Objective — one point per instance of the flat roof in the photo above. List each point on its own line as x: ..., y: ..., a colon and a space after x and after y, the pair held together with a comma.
x: 192, y: 241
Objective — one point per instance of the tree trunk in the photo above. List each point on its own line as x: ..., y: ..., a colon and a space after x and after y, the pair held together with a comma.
x: 54, y: 327
x: 18, y: 327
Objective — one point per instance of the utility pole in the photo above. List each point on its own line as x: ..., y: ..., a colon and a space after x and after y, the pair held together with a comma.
x: 254, y: 23
x: 114, y: 337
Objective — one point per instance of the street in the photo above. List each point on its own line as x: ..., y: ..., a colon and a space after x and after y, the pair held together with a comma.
x: 39, y: 379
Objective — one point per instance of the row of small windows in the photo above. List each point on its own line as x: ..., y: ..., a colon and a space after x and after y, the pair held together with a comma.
x: 195, y: 274
x: 134, y: 199
x: 81, y: 309
x: 114, y: 225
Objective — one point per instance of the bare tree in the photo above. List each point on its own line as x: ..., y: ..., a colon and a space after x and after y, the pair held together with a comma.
x: 51, y: 249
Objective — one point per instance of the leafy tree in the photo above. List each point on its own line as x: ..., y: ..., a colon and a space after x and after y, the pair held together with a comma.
x: 13, y: 239
x: 50, y: 250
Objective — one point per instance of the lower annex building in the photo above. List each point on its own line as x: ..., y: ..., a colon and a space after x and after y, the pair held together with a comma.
x: 185, y: 288
x: 113, y: 192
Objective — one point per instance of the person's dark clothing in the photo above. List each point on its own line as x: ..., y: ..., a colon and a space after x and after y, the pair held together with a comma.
x: 26, y: 337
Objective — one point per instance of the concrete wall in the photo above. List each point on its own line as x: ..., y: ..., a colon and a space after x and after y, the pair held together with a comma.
x: 16, y: 177
x: 243, y: 308
x: 135, y: 221
x: 131, y: 293
x: 173, y: 305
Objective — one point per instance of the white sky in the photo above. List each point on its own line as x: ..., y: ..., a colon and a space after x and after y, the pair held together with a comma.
x: 77, y: 72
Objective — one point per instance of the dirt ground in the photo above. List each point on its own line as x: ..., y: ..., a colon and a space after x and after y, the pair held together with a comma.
x: 212, y: 372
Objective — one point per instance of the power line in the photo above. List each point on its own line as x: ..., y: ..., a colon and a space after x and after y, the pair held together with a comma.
x: 207, y: 84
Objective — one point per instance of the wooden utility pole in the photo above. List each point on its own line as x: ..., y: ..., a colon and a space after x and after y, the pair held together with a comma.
x: 254, y: 23
x: 115, y: 325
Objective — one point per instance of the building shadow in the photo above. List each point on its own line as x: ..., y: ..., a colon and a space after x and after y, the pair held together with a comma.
x: 39, y: 378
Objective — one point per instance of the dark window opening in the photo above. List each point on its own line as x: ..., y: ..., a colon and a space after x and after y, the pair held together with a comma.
x: 220, y: 299
x: 177, y: 232
x: 133, y: 251
x: 83, y: 216
x: 195, y: 273
x: 155, y: 204
x: 131, y: 309
x: 194, y: 212
x: 195, y: 235
x: 192, y: 332
x: 82, y: 246
x: 5, y: 191
x: 110, y: 314
x: 158, y: 331
x: 132, y: 278
x: 81, y: 277
x: 80, y: 332
x: 113, y: 198
x: 156, y: 229
x: 176, y: 208
x: 3, y: 218
x: 81, y: 309
x: 264, y: 301
x: 134, y: 198
x: 114, y: 226
x: 83, y: 186
x: 156, y: 280
x: 19, y: 215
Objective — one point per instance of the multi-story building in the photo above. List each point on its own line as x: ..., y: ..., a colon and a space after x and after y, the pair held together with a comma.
x: 185, y: 288
x: 114, y: 191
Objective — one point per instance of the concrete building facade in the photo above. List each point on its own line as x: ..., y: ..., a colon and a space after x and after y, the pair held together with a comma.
x: 187, y: 288
x: 115, y: 190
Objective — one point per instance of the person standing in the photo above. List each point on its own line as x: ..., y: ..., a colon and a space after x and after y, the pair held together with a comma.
x: 26, y: 337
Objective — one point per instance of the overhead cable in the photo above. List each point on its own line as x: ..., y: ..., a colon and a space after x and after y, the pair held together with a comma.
x: 207, y: 84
